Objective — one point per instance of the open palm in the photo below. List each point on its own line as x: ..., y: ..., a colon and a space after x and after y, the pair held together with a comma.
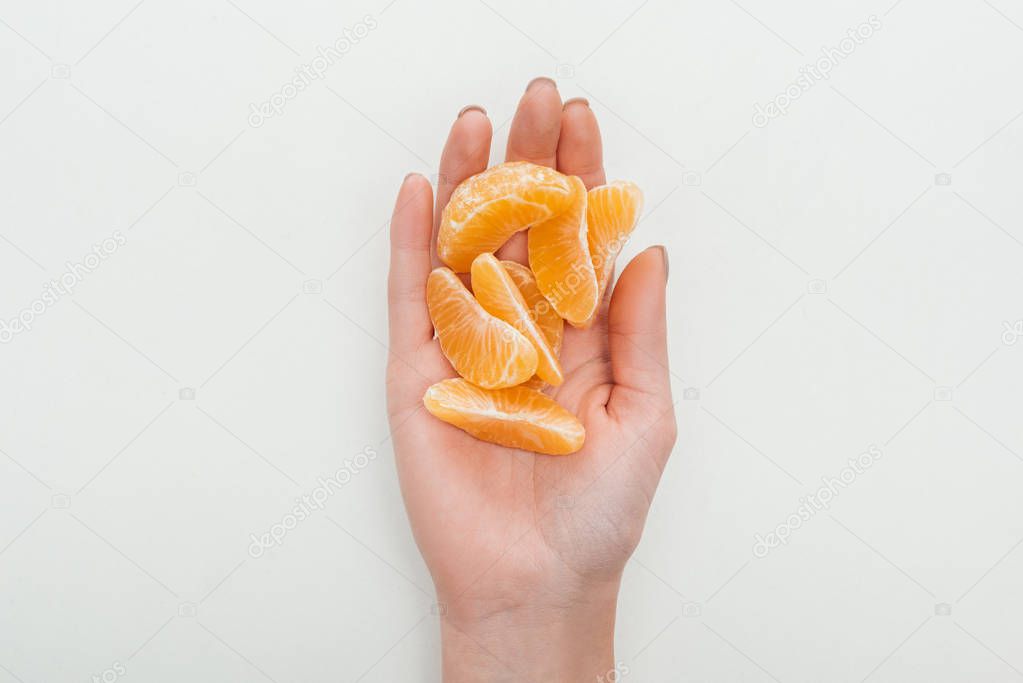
x: 499, y: 527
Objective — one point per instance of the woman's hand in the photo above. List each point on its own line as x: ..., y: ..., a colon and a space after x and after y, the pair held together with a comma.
x: 527, y: 551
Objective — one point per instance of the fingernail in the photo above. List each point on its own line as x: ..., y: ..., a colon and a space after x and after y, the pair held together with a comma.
x: 664, y: 255
x: 575, y: 100
x: 471, y: 107
x: 541, y: 79
x: 407, y: 176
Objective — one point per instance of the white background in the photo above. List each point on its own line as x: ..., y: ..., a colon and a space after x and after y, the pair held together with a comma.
x: 828, y: 293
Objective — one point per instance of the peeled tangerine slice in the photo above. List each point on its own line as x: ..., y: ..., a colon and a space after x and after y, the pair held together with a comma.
x: 482, y: 348
x: 540, y: 310
x: 612, y: 212
x: 488, y: 208
x: 516, y: 417
x: 497, y: 292
x: 559, y: 256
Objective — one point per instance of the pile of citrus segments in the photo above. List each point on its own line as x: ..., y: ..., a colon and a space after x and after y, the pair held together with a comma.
x: 504, y: 337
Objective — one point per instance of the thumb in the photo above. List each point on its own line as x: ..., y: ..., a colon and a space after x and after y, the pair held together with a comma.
x: 637, y: 331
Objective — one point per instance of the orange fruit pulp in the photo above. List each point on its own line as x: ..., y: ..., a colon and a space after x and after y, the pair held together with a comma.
x: 516, y: 417
x: 498, y: 294
x: 489, y: 207
x: 559, y: 257
x: 612, y: 212
x: 546, y: 317
x: 481, y: 347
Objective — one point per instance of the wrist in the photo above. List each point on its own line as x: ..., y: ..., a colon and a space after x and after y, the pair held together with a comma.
x: 551, y: 634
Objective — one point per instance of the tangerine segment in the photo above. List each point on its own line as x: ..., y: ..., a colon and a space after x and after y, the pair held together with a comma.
x: 542, y: 312
x: 516, y: 417
x: 489, y: 207
x: 559, y: 255
x: 499, y: 296
x: 612, y: 212
x: 483, y: 349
